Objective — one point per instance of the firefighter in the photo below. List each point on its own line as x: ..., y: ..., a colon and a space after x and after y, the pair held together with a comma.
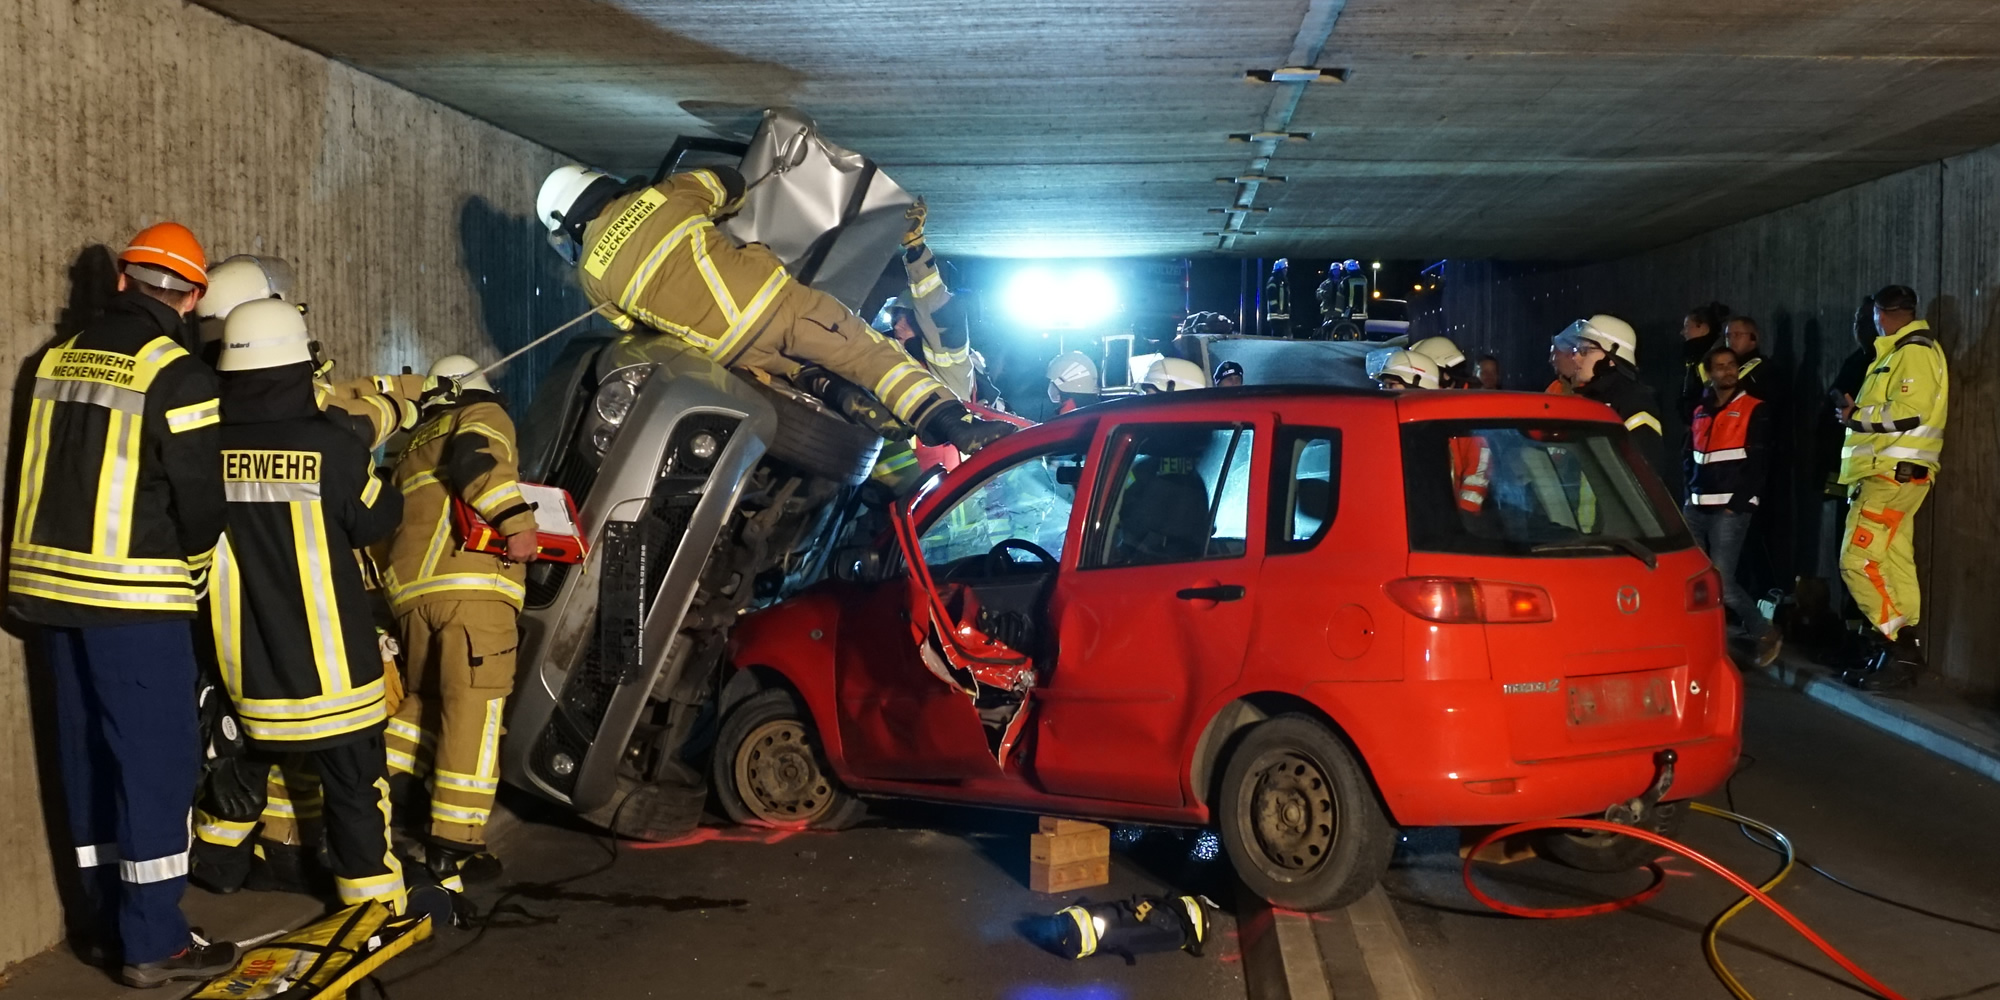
x: 117, y: 514
x: 1562, y: 360
x: 1730, y: 442
x: 928, y: 321
x: 655, y: 255
x: 1172, y: 375
x: 1471, y: 456
x: 1454, y: 368
x: 1072, y: 381
x: 455, y: 611
x: 1606, y: 349
x: 1895, y: 434
x: 1227, y: 375
x: 292, y: 627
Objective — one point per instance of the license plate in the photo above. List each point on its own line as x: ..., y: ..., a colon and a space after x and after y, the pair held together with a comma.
x: 1619, y: 699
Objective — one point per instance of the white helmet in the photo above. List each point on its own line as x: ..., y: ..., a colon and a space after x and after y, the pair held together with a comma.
x: 1173, y: 375
x: 263, y: 333
x: 1440, y: 350
x: 1072, y: 373
x: 459, y: 367
x: 1614, y: 335
x: 244, y: 278
x: 1415, y: 370
x: 561, y: 190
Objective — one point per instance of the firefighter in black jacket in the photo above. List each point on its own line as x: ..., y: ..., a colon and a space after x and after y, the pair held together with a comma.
x: 292, y: 629
x: 1607, y: 353
x: 118, y: 510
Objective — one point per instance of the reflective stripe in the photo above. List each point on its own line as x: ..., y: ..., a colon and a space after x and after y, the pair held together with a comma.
x: 642, y: 275
x: 157, y: 870
x: 277, y: 709
x: 716, y: 192
x: 111, y: 397
x: 187, y: 418
x: 419, y: 481
x: 454, y: 814
x: 93, y: 855
x: 464, y: 782
x: 499, y: 441
x: 1642, y: 419
x: 116, y: 485
x: 414, y: 734
x: 401, y: 763
x: 36, y: 450
x: 45, y: 557
x: 927, y: 284
x: 489, y: 738
x: 282, y: 732
x: 1720, y: 455
x: 751, y: 314
x: 361, y: 890
x: 222, y: 832
x: 465, y: 581
x: 1909, y: 453
x: 247, y: 492
x: 487, y: 502
x: 81, y: 592
x: 225, y: 607
x: 316, y: 584
x: 371, y: 492
x: 1710, y: 499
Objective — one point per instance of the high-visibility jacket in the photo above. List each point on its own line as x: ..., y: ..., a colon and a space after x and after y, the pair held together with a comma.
x: 1617, y: 385
x: 1558, y: 387
x: 463, y: 450
x: 946, y: 345
x: 1471, y: 472
x: 1729, y: 452
x: 293, y: 632
x: 656, y: 257
x: 120, y: 500
x: 1900, y: 412
x: 378, y: 405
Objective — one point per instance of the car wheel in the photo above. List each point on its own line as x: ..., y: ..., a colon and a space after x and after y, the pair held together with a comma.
x: 1300, y: 820
x: 1607, y: 853
x: 769, y: 770
x: 819, y: 441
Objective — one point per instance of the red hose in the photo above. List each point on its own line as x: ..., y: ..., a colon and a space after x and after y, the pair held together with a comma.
x: 1647, y: 893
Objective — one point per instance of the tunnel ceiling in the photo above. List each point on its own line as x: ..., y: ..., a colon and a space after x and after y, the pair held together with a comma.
x: 1515, y: 128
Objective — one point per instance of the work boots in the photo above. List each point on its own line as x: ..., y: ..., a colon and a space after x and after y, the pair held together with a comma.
x: 1894, y: 665
x: 200, y: 960
x: 951, y: 423
x: 457, y: 866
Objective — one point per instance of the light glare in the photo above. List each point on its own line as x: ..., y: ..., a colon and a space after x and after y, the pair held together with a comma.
x: 1046, y: 299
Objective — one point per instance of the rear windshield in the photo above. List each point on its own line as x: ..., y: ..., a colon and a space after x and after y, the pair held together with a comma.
x: 1543, y: 488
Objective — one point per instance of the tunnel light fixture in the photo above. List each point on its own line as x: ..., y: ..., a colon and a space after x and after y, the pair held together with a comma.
x: 1296, y: 74
x: 1377, y: 266
x: 1269, y: 136
x: 1049, y: 299
x: 1252, y: 179
x: 1234, y: 232
x: 1238, y: 208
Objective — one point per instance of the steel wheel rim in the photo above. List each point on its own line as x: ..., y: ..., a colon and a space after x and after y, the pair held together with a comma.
x: 1291, y: 813
x: 778, y: 775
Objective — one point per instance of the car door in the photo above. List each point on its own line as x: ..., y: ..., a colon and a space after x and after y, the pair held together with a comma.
x: 1153, y: 606
x: 898, y: 720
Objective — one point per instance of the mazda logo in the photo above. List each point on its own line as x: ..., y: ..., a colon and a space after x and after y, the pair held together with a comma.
x: 1628, y: 600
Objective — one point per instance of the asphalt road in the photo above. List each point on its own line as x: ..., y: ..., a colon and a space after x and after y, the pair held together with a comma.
x: 1876, y: 811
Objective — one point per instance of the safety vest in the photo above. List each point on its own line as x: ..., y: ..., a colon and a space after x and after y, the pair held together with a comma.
x: 1721, y: 463
x: 1899, y: 415
x: 463, y: 451
x: 1558, y: 387
x: 656, y: 256
x: 294, y: 636
x: 1471, y: 472
x: 120, y: 499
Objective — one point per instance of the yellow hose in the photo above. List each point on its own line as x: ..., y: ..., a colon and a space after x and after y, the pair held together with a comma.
x: 1708, y: 939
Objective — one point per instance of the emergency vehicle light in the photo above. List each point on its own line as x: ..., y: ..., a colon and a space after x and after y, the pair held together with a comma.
x: 1462, y: 601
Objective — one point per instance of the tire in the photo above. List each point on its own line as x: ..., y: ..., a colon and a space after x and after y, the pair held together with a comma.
x: 819, y: 441
x: 769, y: 770
x: 1300, y: 820
x: 1609, y: 853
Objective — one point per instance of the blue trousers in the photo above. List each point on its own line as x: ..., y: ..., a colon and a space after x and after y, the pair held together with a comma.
x: 1721, y: 533
x: 131, y: 758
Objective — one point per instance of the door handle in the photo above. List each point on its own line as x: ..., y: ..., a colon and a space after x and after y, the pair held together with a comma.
x: 1218, y: 592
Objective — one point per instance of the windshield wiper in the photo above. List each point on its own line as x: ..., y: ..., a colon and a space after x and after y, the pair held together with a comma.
x: 1607, y: 544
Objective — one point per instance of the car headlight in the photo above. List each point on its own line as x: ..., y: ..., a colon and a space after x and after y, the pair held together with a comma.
x: 703, y: 446
x: 614, y: 401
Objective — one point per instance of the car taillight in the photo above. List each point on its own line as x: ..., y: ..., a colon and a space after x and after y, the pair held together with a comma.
x: 1461, y: 601
x: 1705, y: 590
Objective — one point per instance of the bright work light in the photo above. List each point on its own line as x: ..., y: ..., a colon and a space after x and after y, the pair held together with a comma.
x: 1044, y: 298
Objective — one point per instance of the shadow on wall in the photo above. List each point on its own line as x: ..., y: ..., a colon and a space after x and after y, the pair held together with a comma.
x: 524, y: 290
x: 93, y: 280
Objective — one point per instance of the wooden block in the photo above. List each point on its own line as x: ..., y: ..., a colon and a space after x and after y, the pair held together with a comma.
x: 1051, y: 824
x: 1064, y: 848
x: 1049, y: 878
x: 1504, y: 852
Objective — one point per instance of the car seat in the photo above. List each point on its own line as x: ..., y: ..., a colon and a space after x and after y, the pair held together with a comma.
x: 1163, y: 518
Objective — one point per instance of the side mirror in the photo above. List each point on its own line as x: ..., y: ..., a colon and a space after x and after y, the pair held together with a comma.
x: 857, y: 563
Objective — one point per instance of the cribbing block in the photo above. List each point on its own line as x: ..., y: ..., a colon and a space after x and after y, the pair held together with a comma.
x: 1051, y: 824
x: 1064, y: 848
x: 1065, y: 878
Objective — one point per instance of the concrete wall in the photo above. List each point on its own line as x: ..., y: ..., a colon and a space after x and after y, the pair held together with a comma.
x: 1801, y: 272
x: 410, y: 225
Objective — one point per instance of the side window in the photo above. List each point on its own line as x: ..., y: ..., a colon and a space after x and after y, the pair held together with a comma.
x: 1175, y: 493
x: 1305, y: 488
x: 1029, y: 500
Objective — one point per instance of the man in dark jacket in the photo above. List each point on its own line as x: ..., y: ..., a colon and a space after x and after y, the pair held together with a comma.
x: 1730, y: 443
x: 118, y: 509
x: 1607, y: 352
x: 292, y: 630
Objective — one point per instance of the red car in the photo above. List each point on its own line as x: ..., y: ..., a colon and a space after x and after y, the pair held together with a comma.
x: 1304, y: 616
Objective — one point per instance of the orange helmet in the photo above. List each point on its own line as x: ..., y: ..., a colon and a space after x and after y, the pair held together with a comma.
x: 168, y: 257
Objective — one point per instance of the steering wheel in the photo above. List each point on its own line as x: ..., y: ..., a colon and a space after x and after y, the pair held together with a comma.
x: 999, y: 563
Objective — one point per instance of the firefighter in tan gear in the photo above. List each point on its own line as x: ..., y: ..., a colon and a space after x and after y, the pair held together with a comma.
x: 456, y: 610
x: 293, y: 633
x: 654, y: 254
x: 928, y: 322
